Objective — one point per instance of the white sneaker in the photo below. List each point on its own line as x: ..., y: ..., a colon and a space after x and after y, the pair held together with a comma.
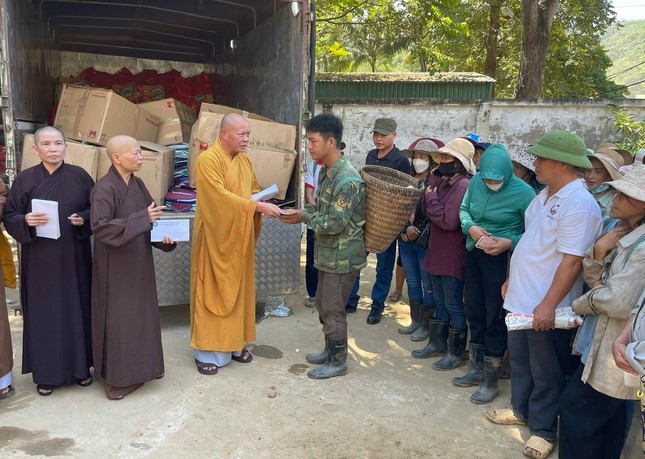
x: 310, y: 302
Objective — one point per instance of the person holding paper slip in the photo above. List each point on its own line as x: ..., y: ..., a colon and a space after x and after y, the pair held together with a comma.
x: 126, y: 333
x: 337, y: 219
x: 56, y: 268
x: 225, y: 232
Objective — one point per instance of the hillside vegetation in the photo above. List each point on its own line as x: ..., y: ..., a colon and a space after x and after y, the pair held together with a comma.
x: 625, y: 45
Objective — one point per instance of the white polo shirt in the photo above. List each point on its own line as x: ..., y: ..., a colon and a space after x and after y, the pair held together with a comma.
x: 567, y: 223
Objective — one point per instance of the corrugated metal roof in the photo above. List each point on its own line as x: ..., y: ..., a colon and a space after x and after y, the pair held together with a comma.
x: 402, y: 86
x: 461, y: 77
x: 181, y: 30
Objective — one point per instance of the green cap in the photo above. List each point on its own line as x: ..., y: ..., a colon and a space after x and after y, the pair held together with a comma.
x: 562, y: 146
x: 384, y: 126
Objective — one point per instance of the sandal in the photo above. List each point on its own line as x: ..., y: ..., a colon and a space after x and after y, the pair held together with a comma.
x: 538, y: 447
x: 207, y: 369
x: 505, y: 417
x: 244, y: 357
x: 44, y: 389
x: 7, y: 392
x: 85, y: 382
x: 395, y: 296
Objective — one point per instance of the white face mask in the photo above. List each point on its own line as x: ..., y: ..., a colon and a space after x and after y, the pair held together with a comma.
x: 420, y: 165
x: 494, y: 187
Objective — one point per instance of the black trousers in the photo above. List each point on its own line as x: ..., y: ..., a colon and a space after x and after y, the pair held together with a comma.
x: 485, y: 275
x: 592, y: 424
x: 538, y: 362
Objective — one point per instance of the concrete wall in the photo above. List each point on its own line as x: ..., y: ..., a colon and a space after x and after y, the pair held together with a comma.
x: 513, y: 123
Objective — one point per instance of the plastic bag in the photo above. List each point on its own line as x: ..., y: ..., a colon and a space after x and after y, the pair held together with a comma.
x: 565, y: 319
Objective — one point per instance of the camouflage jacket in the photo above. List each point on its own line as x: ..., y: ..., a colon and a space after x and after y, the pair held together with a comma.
x: 337, y: 219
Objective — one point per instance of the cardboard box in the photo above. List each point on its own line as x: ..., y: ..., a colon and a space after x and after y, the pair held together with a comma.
x: 94, y: 115
x: 273, y: 167
x: 157, y: 172
x: 78, y: 154
x: 177, y: 120
x: 265, y: 135
x: 223, y: 110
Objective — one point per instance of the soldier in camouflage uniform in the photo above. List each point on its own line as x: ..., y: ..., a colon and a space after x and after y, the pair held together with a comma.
x: 339, y: 254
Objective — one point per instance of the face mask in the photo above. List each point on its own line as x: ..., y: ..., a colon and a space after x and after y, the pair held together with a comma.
x: 599, y: 189
x: 420, y: 165
x: 494, y: 187
x: 446, y: 169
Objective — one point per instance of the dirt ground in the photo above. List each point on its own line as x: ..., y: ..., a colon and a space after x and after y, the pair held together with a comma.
x: 388, y: 405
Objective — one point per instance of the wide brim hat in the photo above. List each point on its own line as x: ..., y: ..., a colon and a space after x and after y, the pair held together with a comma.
x: 523, y: 158
x: 632, y: 183
x: 463, y: 150
x: 613, y: 146
x: 612, y: 160
x: 427, y: 145
x: 562, y: 146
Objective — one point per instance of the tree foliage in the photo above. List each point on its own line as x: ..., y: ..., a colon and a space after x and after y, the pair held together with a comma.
x: 470, y: 35
x: 632, y: 130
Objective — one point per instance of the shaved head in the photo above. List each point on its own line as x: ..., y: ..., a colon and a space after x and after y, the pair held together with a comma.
x: 231, y: 120
x: 125, y: 154
x: 120, y: 144
x: 234, y: 133
x: 49, y: 130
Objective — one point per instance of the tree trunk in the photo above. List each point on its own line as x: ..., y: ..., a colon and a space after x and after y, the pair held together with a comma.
x: 493, y: 36
x: 537, y: 19
x: 423, y: 65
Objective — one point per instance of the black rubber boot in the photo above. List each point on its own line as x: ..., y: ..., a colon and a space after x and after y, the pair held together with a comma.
x: 489, y: 389
x: 437, y: 342
x: 319, y: 358
x: 415, y: 315
x: 423, y: 332
x: 456, y: 351
x: 475, y: 374
x: 336, y: 364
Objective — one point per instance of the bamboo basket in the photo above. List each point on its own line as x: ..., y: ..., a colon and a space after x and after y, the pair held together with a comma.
x: 390, y: 199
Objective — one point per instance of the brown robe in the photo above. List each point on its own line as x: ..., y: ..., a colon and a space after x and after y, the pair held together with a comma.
x: 126, y: 333
x: 225, y: 231
x: 55, y: 276
x: 6, y: 350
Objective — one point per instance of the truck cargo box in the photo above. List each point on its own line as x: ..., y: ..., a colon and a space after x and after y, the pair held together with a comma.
x: 258, y: 49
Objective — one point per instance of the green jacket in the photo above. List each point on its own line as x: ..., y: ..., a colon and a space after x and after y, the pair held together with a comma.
x: 337, y: 219
x: 501, y: 213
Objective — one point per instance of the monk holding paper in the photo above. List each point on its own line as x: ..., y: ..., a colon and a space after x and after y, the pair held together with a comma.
x: 226, y: 229
x: 126, y: 333
x: 55, y: 273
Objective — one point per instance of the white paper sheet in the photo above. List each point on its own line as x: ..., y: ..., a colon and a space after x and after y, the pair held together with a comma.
x: 265, y: 194
x: 52, y: 229
x: 178, y: 230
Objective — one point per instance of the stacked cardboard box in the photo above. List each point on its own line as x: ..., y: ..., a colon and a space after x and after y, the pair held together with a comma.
x: 94, y: 115
x: 271, y: 147
x: 176, y: 120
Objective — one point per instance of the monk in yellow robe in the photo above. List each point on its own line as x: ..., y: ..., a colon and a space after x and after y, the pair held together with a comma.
x: 226, y: 229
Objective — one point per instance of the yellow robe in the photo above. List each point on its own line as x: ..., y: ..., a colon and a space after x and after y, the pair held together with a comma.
x: 225, y: 231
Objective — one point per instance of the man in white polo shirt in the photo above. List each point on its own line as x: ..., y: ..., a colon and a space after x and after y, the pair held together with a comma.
x: 561, y: 224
